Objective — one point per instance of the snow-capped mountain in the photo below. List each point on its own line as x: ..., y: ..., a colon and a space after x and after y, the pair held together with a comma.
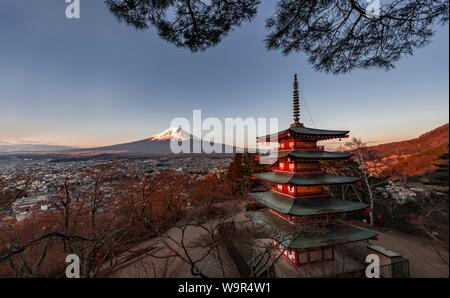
x: 173, y: 133
x: 158, y: 144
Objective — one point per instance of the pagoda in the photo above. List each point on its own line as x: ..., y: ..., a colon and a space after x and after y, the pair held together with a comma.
x: 300, y: 199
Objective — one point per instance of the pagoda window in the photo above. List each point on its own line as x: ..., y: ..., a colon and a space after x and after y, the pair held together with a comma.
x: 328, y: 254
x: 291, y: 189
x: 280, y: 187
x: 316, y: 255
x: 291, y: 145
x: 308, y: 166
x: 291, y: 254
x: 281, y: 165
x: 303, y: 257
x: 309, y: 190
x: 292, y: 166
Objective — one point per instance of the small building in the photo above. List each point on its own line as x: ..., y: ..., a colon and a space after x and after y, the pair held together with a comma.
x: 392, y: 264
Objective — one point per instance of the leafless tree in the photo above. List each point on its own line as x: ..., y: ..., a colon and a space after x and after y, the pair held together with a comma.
x: 361, y: 154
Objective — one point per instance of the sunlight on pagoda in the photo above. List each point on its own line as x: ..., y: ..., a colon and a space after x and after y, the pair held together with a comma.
x: 300, y: 209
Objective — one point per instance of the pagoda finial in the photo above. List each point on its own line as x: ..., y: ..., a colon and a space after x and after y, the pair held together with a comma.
x: 296, y: 111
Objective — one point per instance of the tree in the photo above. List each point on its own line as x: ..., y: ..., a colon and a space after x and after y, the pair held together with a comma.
x: 194, y: 24
x: 432, y: 220
x: 361, y: 156
x: 13, y: 189
x: 240, y: 171
x: 432, y: 217
x: 337, y: 35
x: 87, y: 221
x: 440, y: 176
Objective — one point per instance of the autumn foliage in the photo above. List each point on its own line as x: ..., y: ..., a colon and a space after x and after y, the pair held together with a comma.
x: 113, y: 210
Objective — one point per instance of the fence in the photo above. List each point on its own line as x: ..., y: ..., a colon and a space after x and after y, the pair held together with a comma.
x: 398, y: 269
x: 246, y: 269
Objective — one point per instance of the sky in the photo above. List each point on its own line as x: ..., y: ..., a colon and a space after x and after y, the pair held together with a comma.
x: 94, y: 81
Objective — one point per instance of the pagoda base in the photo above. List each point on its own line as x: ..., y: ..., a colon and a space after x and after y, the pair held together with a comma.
x: 308, y: 246
x: 342, y: 264
x: 305, y: 256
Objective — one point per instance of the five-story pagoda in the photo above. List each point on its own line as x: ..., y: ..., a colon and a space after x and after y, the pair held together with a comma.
x: 300, y: 207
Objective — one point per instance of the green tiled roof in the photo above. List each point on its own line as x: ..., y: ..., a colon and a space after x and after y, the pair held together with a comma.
x: 320, y: 155
x: 335, y: 235
x: 305, y: 206
x: 305, y: 179
x: 308, y: 131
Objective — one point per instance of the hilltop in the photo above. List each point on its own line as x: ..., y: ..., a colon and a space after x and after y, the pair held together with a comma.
x: 414, y: 157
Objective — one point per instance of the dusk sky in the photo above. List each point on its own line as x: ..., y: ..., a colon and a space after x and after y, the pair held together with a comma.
x: 94, y: 81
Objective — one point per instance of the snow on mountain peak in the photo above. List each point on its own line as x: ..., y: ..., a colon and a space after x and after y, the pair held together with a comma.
x: 173, y: 133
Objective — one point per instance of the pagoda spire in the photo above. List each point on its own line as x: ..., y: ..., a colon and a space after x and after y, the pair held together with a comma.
x: 296, y: 110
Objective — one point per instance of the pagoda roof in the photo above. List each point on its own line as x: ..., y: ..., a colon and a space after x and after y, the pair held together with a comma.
x: 305, y: 206
x: 305, y: 179
x: 308, y: 154
x: 284, y: 232
x: 306, y: 131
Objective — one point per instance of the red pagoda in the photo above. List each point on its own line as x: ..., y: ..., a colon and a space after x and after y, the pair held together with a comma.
x: 300, y: 194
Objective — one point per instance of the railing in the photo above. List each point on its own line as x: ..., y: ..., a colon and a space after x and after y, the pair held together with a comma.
x: 303, y: 171
x: 245, y: 269
x: 300, y: 147
x: 398, y: 269
x: 239, y: 261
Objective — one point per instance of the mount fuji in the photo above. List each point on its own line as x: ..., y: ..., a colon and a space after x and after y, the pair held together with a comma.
x: 158, y: 144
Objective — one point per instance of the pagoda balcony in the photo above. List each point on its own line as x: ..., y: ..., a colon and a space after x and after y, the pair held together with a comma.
x: 329, y: 237
x: 310, y: 154
x: 302, y: 179
x: 292, y: 166
x: 293, y: 170
x: 299, y: 146
x: 301, y: 195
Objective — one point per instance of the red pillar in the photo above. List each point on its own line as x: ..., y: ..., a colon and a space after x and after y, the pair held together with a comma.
x: 296, y: 260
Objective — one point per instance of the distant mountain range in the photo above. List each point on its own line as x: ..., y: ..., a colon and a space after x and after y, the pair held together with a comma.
x: 158, y: 144
x: 6, y: 147
x: 413, y: 157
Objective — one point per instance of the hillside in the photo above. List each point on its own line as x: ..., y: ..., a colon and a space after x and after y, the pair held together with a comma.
x: 413, y: 157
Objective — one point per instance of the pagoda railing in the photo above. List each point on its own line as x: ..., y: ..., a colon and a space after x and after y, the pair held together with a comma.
x: 285, y: 170
x: 325, y: 194
x: 288, y: 148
